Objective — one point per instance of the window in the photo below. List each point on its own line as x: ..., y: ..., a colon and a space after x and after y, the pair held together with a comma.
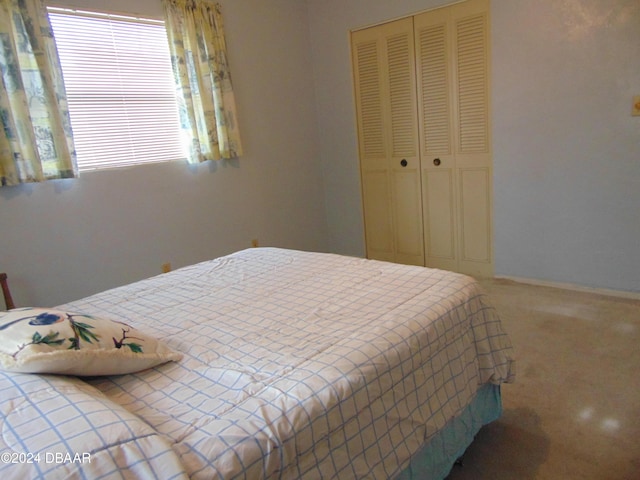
x: 120, y: 89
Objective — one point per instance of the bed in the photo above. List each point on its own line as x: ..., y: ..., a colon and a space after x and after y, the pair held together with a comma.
x: 286, y: 364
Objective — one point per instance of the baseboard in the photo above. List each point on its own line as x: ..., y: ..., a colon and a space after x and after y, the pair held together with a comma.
x: 574, y: 287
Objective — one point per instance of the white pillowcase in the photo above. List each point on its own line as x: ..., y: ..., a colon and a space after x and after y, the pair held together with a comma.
x: 39, y: 340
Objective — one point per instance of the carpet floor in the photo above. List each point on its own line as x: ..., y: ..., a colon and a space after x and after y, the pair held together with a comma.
x: 574, y: 411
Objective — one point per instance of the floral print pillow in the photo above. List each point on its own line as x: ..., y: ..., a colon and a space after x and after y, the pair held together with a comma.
x: 37, y: 340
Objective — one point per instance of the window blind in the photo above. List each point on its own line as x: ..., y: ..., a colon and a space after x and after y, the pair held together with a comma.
x: 120, y: 89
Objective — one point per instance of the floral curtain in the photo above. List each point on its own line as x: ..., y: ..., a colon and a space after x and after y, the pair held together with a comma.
x: 36, y: 142
x: 205, y: 96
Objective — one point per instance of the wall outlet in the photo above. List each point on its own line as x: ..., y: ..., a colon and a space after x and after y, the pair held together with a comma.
x: 635, y: 109
x: 254, y: 242
x: 166, y: 267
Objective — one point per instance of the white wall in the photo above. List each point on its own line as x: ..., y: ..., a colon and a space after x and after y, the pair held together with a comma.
x: 63, y: 240
x: 566, y: 149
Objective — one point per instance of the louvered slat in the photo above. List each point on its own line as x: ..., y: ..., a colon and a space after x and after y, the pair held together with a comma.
x: 435, y: 92
x: 370, y: 100
x: 472, y: 85
x: 401, y: 96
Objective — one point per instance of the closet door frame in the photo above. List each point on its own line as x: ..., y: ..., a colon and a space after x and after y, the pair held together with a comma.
x: 437, y: 194
x: 453, y: 67
x: 388, y: 142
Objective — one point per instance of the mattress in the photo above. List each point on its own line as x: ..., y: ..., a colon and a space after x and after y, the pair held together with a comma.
x: 296, y: 365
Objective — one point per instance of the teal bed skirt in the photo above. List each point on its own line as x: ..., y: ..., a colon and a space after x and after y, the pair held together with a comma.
x: 434, y: 460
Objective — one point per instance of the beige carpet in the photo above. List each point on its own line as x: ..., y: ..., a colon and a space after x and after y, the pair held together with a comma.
x: 574, y: 411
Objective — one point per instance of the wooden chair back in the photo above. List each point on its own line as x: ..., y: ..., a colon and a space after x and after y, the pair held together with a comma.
x: 6, y: 293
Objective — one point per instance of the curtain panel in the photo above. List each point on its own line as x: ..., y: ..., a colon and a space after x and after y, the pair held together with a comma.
x: 36, y: 142
x: 205, y: 95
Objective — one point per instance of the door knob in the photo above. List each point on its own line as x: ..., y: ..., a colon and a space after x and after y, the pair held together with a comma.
x: 404, y: 162
x: 436, y: 161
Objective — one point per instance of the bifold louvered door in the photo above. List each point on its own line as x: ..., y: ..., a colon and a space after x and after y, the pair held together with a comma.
x: 384, y: 69
x: 452, y: 59
x: 452, y: 134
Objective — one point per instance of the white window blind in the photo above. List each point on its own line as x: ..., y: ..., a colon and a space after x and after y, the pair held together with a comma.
x: 120, y: 90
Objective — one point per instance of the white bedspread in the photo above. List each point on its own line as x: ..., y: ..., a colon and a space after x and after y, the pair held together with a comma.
x: 296, y: 365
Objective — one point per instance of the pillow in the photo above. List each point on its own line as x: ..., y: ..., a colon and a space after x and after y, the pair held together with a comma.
x: 38, y: 340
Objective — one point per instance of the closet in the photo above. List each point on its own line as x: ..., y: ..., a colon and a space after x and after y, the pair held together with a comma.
x: 421, y: 86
